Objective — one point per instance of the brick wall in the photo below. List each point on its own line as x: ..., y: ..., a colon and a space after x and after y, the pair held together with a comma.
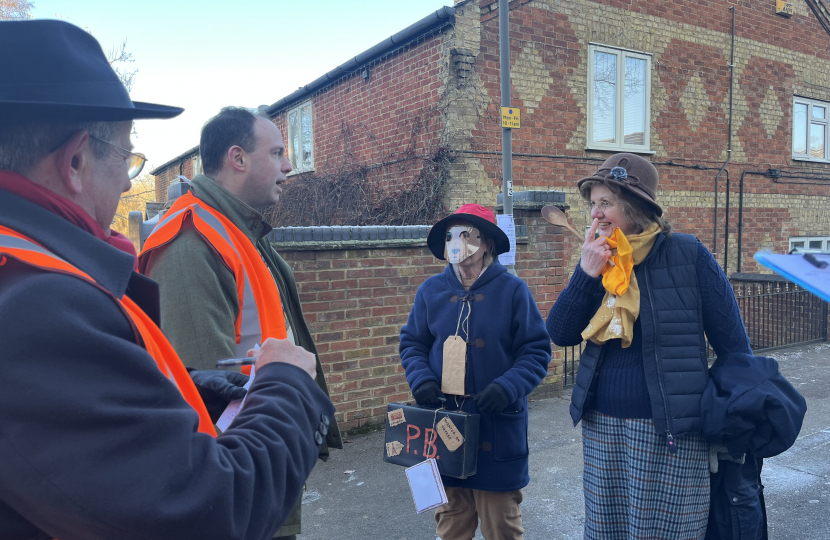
x: 355, y: 302
x: 392, y: 116
x: 356, y: 299
x: 182, y: 165
x: 443, y: 91
x: 775, y: 59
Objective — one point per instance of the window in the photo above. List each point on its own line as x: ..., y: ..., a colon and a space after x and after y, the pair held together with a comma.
x: 196, y: 165
x: 810, y: 129
x: 811, y: 243
x: 301, y: 138
x: 619, y: 99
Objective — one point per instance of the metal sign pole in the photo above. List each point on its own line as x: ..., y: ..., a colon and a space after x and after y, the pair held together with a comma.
x: 506, y: 133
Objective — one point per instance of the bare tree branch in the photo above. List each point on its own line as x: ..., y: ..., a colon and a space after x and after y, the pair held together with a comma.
x: 118, y: 58
x: 15, y: 10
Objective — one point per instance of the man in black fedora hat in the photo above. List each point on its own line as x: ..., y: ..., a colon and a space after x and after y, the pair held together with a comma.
x: 103, y: 434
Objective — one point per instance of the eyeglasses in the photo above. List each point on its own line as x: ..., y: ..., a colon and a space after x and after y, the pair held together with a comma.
x: 136, y: 161
x: 603, y: 206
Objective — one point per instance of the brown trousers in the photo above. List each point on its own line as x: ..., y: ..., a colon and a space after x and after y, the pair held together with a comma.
x: 499, y: 513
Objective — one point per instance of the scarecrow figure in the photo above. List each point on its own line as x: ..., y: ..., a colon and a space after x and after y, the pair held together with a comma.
x: 476, y: 339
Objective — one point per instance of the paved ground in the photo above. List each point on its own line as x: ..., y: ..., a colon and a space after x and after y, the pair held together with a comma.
x: 358, y: 496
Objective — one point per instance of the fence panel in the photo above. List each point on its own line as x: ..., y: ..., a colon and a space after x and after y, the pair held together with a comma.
x: 779, y: 314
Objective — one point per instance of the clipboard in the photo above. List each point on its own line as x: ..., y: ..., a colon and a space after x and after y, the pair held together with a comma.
x: 807, y: 270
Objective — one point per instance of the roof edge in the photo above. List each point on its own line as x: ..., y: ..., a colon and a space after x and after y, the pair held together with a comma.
x: 175, y: 159
x: 821, y: 12
x: 439, y: 18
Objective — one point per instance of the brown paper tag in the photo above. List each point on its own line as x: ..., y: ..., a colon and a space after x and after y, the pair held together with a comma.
x: 455, y: 366
x: 393, y: 448
x: 449, y: 434
x: 396, y: 417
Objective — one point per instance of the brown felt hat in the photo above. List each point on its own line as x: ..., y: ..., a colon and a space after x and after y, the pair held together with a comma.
x: 631, y: 172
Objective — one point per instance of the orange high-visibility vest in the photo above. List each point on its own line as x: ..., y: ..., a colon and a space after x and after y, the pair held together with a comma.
x: 25, y: 250
x: 260, y: 309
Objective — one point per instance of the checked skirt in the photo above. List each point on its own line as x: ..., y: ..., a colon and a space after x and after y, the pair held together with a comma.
x: 635, y: 489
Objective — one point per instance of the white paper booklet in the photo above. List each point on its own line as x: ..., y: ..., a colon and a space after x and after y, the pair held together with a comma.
x: 234, y: 407
x: 426, y: 486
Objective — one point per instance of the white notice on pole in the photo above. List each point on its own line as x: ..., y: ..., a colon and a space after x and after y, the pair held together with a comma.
x: 505, y: 222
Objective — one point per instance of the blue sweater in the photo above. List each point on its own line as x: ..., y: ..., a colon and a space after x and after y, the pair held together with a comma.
x: 621, y: 389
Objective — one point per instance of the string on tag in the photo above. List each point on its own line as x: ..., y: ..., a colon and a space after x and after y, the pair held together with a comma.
x: 435, y: 418
x: 454, y: 370
x: 434, y: 423
x: 466, y: 302
x: 466, y: 320
x: 466, y: 323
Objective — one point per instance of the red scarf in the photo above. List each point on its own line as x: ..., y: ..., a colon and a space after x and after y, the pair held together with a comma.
x: 60, y: 206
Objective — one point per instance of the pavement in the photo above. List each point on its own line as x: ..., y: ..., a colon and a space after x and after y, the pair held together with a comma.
x: 355, y: 495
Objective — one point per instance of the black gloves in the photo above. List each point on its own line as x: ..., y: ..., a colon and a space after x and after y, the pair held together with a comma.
x: 493, y: 399
x: 428, y: 394
x: 218, y: 388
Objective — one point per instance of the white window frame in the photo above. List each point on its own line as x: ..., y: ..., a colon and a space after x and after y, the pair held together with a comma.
x: 810, y: 120
x: 825, y: 243
x: 620, y: 145
x: 295, y: 162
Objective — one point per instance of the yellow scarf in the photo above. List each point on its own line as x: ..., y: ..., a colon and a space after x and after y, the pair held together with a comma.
x: 621, y: 305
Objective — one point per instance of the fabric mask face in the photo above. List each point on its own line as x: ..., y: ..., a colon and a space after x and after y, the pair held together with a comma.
x: 462, y: 241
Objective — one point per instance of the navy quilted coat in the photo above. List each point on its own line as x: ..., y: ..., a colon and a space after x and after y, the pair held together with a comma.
x: 674, y: 350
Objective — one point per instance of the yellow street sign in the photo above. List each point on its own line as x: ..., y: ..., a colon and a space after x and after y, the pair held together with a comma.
x: 511, y: 117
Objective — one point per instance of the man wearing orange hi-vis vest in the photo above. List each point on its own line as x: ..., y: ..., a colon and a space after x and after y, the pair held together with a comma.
x: 224, y: 288
x: 103, y: 431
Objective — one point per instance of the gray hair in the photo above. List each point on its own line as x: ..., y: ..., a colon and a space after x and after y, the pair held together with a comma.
x: 24, y: 144
x: 636, y: 211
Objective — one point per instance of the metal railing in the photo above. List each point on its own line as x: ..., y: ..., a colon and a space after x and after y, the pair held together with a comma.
x: 570, y: 361
x: 775, y: 314
x: 779, y: 314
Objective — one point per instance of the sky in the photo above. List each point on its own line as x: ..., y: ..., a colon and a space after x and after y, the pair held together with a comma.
x: 209, y: 54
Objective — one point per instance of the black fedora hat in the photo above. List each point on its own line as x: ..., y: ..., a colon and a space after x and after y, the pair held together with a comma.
x: 53, y: 70
x: 476, y: 215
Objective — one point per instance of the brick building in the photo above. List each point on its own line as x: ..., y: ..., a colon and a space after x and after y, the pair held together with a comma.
x: 591, y: 77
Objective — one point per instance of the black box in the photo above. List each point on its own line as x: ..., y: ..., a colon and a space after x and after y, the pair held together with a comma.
x: 419, y: 423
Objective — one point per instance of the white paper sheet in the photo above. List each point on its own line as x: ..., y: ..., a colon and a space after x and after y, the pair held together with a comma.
x: 234, y: 407
x: 798, y: 270
x: 426, y: 486
x: 505, y: 222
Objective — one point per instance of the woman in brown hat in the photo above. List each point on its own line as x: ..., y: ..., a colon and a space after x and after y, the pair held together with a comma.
x: 643, y: 299
x: 503, y: 355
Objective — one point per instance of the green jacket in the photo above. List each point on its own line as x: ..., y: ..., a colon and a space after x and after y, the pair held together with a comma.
x: 199, y: 303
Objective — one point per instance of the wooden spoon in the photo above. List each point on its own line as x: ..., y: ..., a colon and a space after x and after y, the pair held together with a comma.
x: 555, y: 216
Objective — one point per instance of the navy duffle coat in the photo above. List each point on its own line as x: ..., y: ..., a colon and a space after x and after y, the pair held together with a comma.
x: 507, y: 343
